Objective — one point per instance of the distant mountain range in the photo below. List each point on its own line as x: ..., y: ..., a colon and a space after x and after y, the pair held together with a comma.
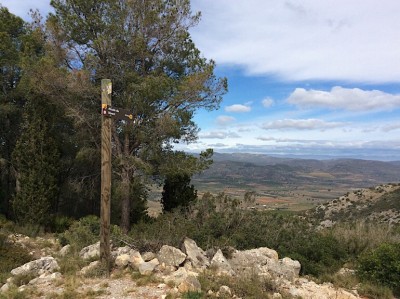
x: 242, y: 168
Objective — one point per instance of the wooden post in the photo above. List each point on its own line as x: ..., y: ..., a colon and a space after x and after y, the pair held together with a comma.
x: 105, y: 210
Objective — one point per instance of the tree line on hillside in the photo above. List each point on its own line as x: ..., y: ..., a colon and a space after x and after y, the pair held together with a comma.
x: 50, y: 106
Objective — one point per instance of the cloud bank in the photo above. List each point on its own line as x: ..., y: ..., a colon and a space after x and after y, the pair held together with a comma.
x: 353, y: 99
x: 303, y: 40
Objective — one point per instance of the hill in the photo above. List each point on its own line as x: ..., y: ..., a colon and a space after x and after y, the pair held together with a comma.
x: 296, y: 183
x: 379, y: 204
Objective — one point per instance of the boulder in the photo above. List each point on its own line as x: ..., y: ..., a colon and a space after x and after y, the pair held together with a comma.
x: 195, y: 254
x: 46, y: 264
x: 148, y: 256
x: 121, y: 261
x: 171, y: 256
x: 46, y: 278
x: 135, y: 259
x: 90, y: 252
x: 120, y: 251
x: 303, y: 288
x: 220, y: 264
x: 190, y: 284
x: 65, y: 250
x: 147, y: 268
x: 264, y: 262
x: 93, y: 265
x: 185, y: 280
x: 285, y: 268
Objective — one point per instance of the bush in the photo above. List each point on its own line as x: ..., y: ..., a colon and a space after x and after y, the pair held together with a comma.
x: 11, y: 256
x: 382, y: 266
x: 84, y: 232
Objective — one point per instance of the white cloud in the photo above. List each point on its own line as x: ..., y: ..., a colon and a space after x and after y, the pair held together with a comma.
x: 21, y: 7
x: 303, y: 40
x: 388, y: 128
x: 301, y: 124
x: 238, y: 108
x: 219, y: 135
x: 353, y: 99
x: 267, y: 102
x: 224, y: 120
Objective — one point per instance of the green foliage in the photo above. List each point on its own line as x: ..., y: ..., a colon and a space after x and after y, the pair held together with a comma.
x: 177, y: 192
x: 84, y: 232
x: 374, y: 291
x: 193, y: 295
x: 242, y: 286
x: 154, y: 68
x: 11, y: 256
x: 220, y: 221
x: 36, y: 158
x: 360, y: 236
x: 381, y: 266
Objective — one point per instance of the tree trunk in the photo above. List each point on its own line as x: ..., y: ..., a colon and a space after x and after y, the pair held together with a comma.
x: 125, y: 201
x: 125, y: 189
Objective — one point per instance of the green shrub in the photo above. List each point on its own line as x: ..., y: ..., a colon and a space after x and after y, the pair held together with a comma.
x: 11, y: 256
x: 84, y: 232
x: 374, y: 291
x: 381, y: 266
x: 60, y: 224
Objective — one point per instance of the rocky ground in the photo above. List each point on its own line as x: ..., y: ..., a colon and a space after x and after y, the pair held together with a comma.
x: 380, y: 204
x: 169, y: 273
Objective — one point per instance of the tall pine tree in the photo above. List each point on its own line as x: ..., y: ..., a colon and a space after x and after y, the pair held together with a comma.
x: 36, y: 160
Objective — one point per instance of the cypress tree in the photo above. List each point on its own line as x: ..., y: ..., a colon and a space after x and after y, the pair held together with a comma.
x: 177, y: 192
x: 36, y: 160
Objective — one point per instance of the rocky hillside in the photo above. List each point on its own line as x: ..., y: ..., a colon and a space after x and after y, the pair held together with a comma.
x: 168, y: 273
x: 381, y: 204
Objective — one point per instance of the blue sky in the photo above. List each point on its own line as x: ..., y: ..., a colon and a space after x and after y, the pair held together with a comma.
x: 306, y: 77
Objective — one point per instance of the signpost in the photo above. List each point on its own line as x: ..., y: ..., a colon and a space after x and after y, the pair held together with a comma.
x: 105, y: 209
x: 108, y: 112
x: 117, y: 113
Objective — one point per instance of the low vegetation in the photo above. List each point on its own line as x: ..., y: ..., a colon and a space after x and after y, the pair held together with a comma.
x: 371, y: 249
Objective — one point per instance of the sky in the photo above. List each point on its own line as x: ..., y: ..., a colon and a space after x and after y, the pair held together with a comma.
x: 306, y: 78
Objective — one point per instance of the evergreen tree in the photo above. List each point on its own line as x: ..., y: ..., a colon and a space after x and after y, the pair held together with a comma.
x: 12, y: 32
x: 36, y: 160
x: 177, y: 192
x: 145, y: 48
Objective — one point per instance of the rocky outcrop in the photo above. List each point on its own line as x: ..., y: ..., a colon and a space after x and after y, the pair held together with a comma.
x: 46, y: 264
x: 304, y: 288
x: 90, y: 252
x: 171, y: 256
x: 180, y: 269
x: 195, y: 254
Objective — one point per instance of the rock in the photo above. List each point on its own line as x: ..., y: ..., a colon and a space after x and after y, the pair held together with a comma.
x: 304, y: 288
x: 164, y: 269
x: 135, y: 259
x: 276, y: 296
x: 46, y: 264
x: 46, y: 278
x: 93, y: 265
x: 285, y: 268
x: 90, y: 252
x: 121, y: 250
x: 224, y: 291
x: 146, y: 268
x: 65, y: 250
x: 190, y: 284
x: 5, y: 287
x: 171, y: 256
x: 148, y: 256
x: 264, y: 262
x: 179, y: 276
x: 121, y: 261
x: 195, y: 254
x: 221, y: 265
